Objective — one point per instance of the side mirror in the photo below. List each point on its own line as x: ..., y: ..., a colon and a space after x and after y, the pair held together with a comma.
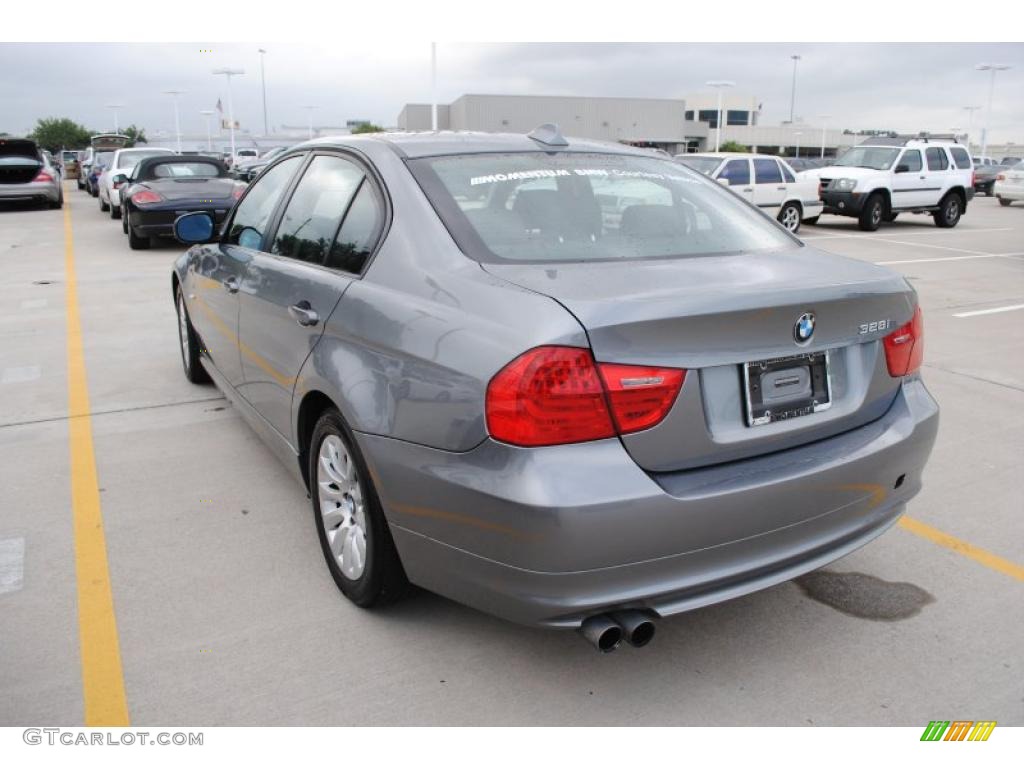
x: 723, y: 181
x: 902, y: 168
x: 120, y: 179
x: 192, y: 228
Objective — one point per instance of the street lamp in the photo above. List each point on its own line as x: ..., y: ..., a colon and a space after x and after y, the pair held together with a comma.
x: 798, y: 134
x: 719, y: 84
x: 208, y: 113
x: 228, y: 72
x: 824, y: 122
x: 263, y: 80
x: 310, y: 108
x: 970, y: 122
x: 177, y: 122
x: 433, y: 87
x: 992, y: 69
x: 792, y: 96
x: 115, y: 107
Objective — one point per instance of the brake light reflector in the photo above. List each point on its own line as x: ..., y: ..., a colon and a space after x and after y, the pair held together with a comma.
x: 904, y: 347
x: 556, y: 395
x: 640, y: 396
x: 145, y: 197
x: 43, y: 176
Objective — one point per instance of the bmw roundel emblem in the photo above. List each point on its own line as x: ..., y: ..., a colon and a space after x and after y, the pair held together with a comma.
x: 804, y: 328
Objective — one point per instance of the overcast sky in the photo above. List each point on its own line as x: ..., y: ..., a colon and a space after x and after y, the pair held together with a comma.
x: 905, y: 87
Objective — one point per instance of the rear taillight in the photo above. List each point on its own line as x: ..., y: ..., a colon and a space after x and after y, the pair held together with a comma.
x: 904, y: 347
x: 974, y: 178
x: 556, y: 395
x: 145, y: 197
x: 1001, y: 177
x: 237, y: 191
x: 43, y: 176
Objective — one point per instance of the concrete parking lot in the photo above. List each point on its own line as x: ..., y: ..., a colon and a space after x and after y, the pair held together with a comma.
x: 226, y: 614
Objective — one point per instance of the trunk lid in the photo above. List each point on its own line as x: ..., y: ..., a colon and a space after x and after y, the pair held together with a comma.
x: 711, y: 315
x: 194, y: 189
x: 20, y: 161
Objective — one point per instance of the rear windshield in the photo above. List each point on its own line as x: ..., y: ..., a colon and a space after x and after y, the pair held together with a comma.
x: 102, y: 158
x: 561, y: 207
x: 185, y: 170
x: 703, y: 165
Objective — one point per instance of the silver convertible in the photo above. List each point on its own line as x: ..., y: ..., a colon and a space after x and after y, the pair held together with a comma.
x: 565, y: 382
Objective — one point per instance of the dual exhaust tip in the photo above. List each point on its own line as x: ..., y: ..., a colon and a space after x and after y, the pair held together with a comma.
x: 607, y: 631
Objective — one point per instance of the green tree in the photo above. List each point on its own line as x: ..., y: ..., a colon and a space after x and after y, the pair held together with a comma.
x: 367, y: 128
x: 56, y: 133
x: 136, y: 134
x: 732, y: 146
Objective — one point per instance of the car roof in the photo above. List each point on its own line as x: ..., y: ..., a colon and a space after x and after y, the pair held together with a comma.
x: 432, y: 144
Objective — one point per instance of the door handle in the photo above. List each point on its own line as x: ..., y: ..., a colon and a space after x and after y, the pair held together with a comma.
x: 748, y: 189
x: 303, y: 313
x: 781, y: 189
x: 230, y: 284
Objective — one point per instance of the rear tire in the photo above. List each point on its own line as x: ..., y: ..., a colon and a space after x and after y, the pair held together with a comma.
x: 103, y: 206
x: 949, y: 212
x: 354, y: 534
x: 58, y: 203
x: 115, y: 212
x: 189, y: 343
x: 872, y: 214
x: 890, y: 217
x: 1004, y: 202
x: 137, y: 242
x: 789, y: 217
x: 124, y: 221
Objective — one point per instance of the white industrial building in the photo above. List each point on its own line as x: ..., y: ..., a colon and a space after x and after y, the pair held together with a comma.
x: 657, y: 123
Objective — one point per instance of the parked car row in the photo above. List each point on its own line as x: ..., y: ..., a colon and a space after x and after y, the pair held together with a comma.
x: 985, y: 175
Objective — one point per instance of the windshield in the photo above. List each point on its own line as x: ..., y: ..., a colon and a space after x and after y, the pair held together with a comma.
x: 130, y: 158
x: 876, y: 158
x: 559, y: 207
x: 700, y: 164
x: 102, y: 158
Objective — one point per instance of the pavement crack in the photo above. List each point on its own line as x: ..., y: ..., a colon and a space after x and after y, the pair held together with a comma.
x: 113, y: 411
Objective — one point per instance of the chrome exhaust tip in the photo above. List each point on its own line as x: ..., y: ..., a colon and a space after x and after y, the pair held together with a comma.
x: 602, y: 633
x: 637, y: 627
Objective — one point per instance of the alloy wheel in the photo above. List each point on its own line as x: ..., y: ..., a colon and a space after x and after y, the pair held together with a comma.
x: 342, y: 506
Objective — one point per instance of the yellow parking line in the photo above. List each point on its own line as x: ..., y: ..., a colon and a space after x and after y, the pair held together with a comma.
x: 978, y: 555
x: 102, y: 678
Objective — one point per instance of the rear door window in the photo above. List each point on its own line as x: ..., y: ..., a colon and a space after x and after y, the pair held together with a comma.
x: 317, y: 206
x: 766, y: 171
x: 359, y: 231
x: 936, y: 157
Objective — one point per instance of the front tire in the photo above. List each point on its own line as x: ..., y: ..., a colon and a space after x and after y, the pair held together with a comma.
x: 350, y: 524
x: 1004, y: 202
x: 949, y: 212
x: 789, y: 217
x: 189, y: 343
x: 103, y: 206
x: 115, y: 212
x: 872, y: 213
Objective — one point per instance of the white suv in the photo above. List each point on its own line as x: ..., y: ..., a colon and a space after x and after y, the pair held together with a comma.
x: 880, y: 179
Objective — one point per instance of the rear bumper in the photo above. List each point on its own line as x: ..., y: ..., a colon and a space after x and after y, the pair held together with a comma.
x: 160, y: 223
x: 32, y: 190
x: 551, y: 536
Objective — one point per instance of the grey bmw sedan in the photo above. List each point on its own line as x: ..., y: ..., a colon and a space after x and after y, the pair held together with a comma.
x: 562, y: 381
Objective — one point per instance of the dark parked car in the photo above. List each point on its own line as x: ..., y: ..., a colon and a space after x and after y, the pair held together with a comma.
x: 162, y: 188
x: 567, y: 419
x: 247, y: 170
x: 985, y: 175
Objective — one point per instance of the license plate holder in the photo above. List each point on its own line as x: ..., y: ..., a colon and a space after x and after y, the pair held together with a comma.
x: 787, y: 387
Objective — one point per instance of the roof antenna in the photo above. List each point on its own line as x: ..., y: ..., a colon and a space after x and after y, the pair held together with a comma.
x: 548, y: 134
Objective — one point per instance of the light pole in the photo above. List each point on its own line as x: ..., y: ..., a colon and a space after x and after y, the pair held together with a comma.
x: 433, y: 87
x: 798, y: 134
x: 115, y: 107
x: 228, y: 72
x: 177, y: 121
x: 991, y: 69
x: 209, y: 138
x: 824, y: 122
x: 310, y: 108
x: 792, y: 96
x: 719, y: 84
x: 970, y: 123
x: 263, y: 80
